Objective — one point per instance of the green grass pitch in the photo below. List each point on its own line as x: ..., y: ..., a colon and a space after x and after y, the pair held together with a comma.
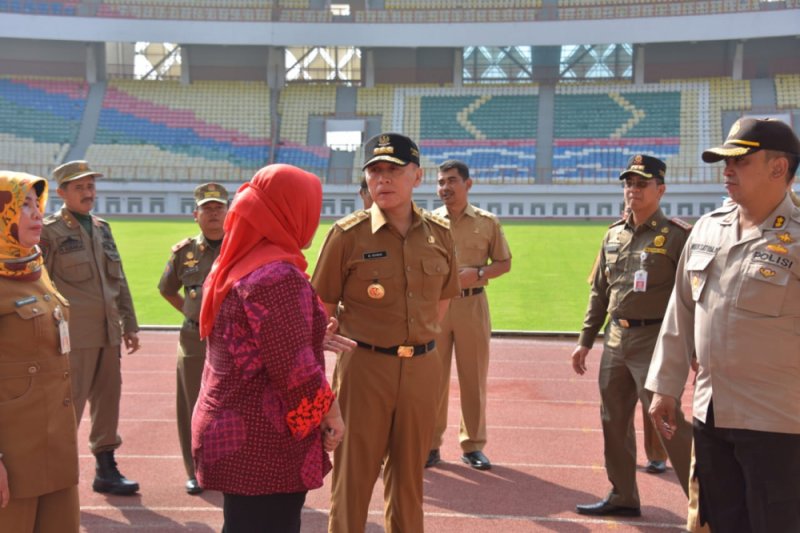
x: 546, y: 289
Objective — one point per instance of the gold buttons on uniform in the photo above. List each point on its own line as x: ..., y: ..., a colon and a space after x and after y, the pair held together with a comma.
x: 66, y: 374
x: 192, y: 294
x: 32, y: 370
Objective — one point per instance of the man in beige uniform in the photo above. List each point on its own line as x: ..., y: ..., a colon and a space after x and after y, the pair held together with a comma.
x: 737, y: 304
x: 390, y: 271
x: 632, y: 285
x: 483, y: 254
x: 83, y: 261
x: 186, y: 270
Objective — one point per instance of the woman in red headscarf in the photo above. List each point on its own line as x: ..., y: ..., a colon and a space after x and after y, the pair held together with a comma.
x: 266, y: 416
x: 38, y: 443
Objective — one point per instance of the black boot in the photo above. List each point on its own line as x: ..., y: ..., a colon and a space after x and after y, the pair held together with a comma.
x: 108, y: 477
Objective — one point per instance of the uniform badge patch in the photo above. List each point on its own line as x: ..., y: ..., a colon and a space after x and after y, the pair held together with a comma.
x: 375, y: 255
x: 785, y: 237
x: 779, y: 222
x: 777, y: 248
x: 376, y: 291
x: 659, y: 240
x: 69, y: 245
x: 766, y: 272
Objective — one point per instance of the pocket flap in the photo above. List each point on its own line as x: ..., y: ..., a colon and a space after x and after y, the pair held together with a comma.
x: 376, y: 270
x: 434, y: 267
x: 699, y: 261
x: 26, y: 312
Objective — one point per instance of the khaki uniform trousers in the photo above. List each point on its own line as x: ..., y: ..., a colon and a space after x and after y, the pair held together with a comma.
x: 54, y: 512
x: 467, y: 328
x: 386, y: 404
x: 623, y: 370
x: 96, y: 377
x: 693, y: 515
x: 191, y: 358
x: 652, y: 441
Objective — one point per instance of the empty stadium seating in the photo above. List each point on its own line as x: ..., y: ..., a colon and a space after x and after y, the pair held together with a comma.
x: 39, y: 119
x: 220, y: 126
x: 787, y: 88
x: 493, y: 130
x: 598, y: 128
x: 296, y: 104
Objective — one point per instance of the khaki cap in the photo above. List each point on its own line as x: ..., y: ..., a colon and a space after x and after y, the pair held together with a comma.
x: 73, y: 170
x: 210, y: 192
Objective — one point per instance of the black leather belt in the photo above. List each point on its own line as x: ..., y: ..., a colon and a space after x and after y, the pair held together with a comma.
x: 194, y: 324
x: 402, y: 350
x: 471, y: 292
x: 634, y: 323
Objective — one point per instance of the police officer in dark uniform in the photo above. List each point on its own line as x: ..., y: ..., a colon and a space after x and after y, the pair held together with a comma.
x: 185, y: 272
x: 632, y: 285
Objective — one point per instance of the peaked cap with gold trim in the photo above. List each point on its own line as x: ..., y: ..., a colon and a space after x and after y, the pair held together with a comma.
x: 749, y: 135
x: 392, y: 147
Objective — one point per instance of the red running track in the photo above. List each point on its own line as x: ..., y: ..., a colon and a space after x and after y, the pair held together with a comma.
x: 545, y: 444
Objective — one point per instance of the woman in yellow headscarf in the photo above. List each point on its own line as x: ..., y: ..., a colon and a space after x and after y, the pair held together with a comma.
x: 38, y: 443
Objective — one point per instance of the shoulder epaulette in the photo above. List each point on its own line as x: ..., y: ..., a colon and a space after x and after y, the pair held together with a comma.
x: 178, y: 245
x: 726, y: 208
x: 685, y: 226
x: 617, y: 223
x: 50, y: 219
x: 353, y: 219
x: 433, y: 217
x: 100, y: 220
x: 485, y: 213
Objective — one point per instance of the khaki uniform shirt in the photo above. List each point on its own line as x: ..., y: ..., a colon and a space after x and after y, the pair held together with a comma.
x: 37, y: 421
x: 479, y: 237
x: 737, y: 303
x: 620, y: 257
x: 87, y: 270
x: 187, y: 268
x: 415, y: 272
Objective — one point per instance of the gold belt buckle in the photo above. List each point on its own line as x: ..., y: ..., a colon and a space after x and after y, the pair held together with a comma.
x: 624, y: 323
x: 405, y: 351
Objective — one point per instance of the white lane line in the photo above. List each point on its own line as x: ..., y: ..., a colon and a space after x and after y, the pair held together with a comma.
x: 377, y: 513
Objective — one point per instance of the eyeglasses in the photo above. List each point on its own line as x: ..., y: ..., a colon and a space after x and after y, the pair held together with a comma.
x: 637, y: 184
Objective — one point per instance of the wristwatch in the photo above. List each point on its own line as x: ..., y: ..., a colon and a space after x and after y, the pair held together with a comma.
x: 480, y: 272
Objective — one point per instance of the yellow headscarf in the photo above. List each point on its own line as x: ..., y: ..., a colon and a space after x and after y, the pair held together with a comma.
x: 17, y: 261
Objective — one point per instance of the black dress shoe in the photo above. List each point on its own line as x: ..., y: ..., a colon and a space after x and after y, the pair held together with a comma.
x: 604, y: 508
x: 656, y: 467
x: 193, y: 487
x: 477, y: 460
x: 433, y: 458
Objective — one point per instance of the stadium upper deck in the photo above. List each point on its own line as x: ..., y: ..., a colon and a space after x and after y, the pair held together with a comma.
x: 393, y: 11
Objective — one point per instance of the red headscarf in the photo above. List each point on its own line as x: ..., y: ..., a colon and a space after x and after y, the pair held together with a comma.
x: 271, y: 218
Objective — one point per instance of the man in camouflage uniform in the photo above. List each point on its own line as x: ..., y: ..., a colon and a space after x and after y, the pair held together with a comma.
x: 82, y: 258
x: 186, y: 270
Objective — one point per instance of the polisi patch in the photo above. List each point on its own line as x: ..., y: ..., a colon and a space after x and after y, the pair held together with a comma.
x: 772, y: 259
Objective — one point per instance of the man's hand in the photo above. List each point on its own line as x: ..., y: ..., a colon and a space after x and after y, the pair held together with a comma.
x: 579, y: 359
x: 662, y: 412
x: 131, y: 341
x: 332, y: 428
x: 336, y: 343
